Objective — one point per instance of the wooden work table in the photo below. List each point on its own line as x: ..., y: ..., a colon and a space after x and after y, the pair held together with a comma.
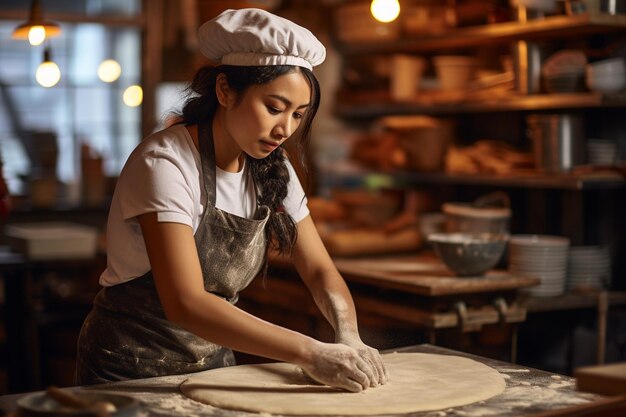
x: 528, y: 392
x: 425, y: 275
x: 436, y: 297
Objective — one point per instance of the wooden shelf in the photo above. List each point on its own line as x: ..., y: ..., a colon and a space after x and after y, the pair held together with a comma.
x: 367, y: 105
x: 599, y: 180
x: 554, y: 26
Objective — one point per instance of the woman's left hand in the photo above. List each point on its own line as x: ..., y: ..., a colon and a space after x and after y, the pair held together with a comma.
x: 369, y: 355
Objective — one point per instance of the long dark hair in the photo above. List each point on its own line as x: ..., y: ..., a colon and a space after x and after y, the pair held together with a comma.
x: 270, y: 174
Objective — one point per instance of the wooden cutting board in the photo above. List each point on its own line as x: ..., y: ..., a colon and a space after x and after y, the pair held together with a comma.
x: 362, y: 242
x: 425, y: 274
x: 602, y: 379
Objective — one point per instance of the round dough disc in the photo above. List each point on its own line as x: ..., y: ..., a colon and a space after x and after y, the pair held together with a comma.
x: 417, y: 382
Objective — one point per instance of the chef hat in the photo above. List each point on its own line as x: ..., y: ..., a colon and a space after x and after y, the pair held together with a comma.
x: 248, y: 37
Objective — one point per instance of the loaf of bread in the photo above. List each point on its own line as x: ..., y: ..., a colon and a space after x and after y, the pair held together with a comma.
x: 487, y: 157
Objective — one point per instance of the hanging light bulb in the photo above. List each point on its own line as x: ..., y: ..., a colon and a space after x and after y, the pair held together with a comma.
x: 385, y: 10
x: 36, y: 29
x: 48, y: 73
x: 36, y: 35
x: 133, y: 96
x: 109, y: 70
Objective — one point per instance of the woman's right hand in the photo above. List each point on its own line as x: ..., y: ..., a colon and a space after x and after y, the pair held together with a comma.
x: 339, y: 366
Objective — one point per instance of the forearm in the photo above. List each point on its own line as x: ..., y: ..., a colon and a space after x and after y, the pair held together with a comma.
x: 178, y: 278
x: 325, y: 283
x: 219, y: 322
x: 334, y: 300
x: 331, y: 294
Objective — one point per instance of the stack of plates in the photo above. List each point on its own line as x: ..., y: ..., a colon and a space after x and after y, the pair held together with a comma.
x: 588, y: 268
x: 540, y: 256
x: 601, y: 152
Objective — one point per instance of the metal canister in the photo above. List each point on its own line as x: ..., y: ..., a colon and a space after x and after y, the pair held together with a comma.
x: 557, y: 141
x: 613, y: 6
x: 527, y: 61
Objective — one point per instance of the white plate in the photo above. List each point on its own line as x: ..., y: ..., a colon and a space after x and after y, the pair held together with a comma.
x: 539, y: 241
x: 536, y: 268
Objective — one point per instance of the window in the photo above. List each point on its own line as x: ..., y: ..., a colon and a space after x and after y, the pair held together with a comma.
x: 42, y: 126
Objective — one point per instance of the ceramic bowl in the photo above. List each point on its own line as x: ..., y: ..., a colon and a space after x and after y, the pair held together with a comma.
x: 469, y: 254
x: 607, y: 67
x: 607, y: 75
x: 606, y: 84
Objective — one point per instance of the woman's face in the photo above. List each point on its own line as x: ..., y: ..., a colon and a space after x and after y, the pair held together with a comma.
x: 268, y: 114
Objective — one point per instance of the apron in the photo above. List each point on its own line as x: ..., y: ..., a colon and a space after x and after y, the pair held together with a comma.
x: 127, y: 336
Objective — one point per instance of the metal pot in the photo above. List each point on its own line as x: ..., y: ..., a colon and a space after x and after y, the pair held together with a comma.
x: 557, y: 141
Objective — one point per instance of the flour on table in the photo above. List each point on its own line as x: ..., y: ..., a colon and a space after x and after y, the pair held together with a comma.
x: 418, y: 382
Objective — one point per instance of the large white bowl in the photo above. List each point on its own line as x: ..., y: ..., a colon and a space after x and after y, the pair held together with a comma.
x: 607, y: 67
x: 606, y: 83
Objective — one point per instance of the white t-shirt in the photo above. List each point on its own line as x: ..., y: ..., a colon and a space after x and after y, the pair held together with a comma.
x: 164, y: 175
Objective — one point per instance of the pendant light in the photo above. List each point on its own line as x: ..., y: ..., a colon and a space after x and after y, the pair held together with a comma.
x: 133, y: 96
x: 48, y: 73
x: 109, y: 70
x: 36, y: 29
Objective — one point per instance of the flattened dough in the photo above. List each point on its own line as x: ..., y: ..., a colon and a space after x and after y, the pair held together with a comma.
x: 417, y: 382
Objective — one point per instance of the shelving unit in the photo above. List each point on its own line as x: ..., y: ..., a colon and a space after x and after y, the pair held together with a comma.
x: 593, y: 181
x: 368, y: 105
x: 579, y: 194
x: 549, y: 27
x: 359, y: 105
x: 378, y: 103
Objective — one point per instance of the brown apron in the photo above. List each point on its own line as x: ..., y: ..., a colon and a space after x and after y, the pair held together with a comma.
x: 127, y: 336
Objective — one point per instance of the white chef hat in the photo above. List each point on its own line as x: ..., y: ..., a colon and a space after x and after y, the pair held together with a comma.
x: 248, y: 37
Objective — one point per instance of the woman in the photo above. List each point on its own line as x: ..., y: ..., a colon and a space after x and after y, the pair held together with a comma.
x: 195, y: 209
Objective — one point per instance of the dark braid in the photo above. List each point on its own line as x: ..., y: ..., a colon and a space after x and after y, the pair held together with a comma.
x: 272, y: 177
x: 270, y: 174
